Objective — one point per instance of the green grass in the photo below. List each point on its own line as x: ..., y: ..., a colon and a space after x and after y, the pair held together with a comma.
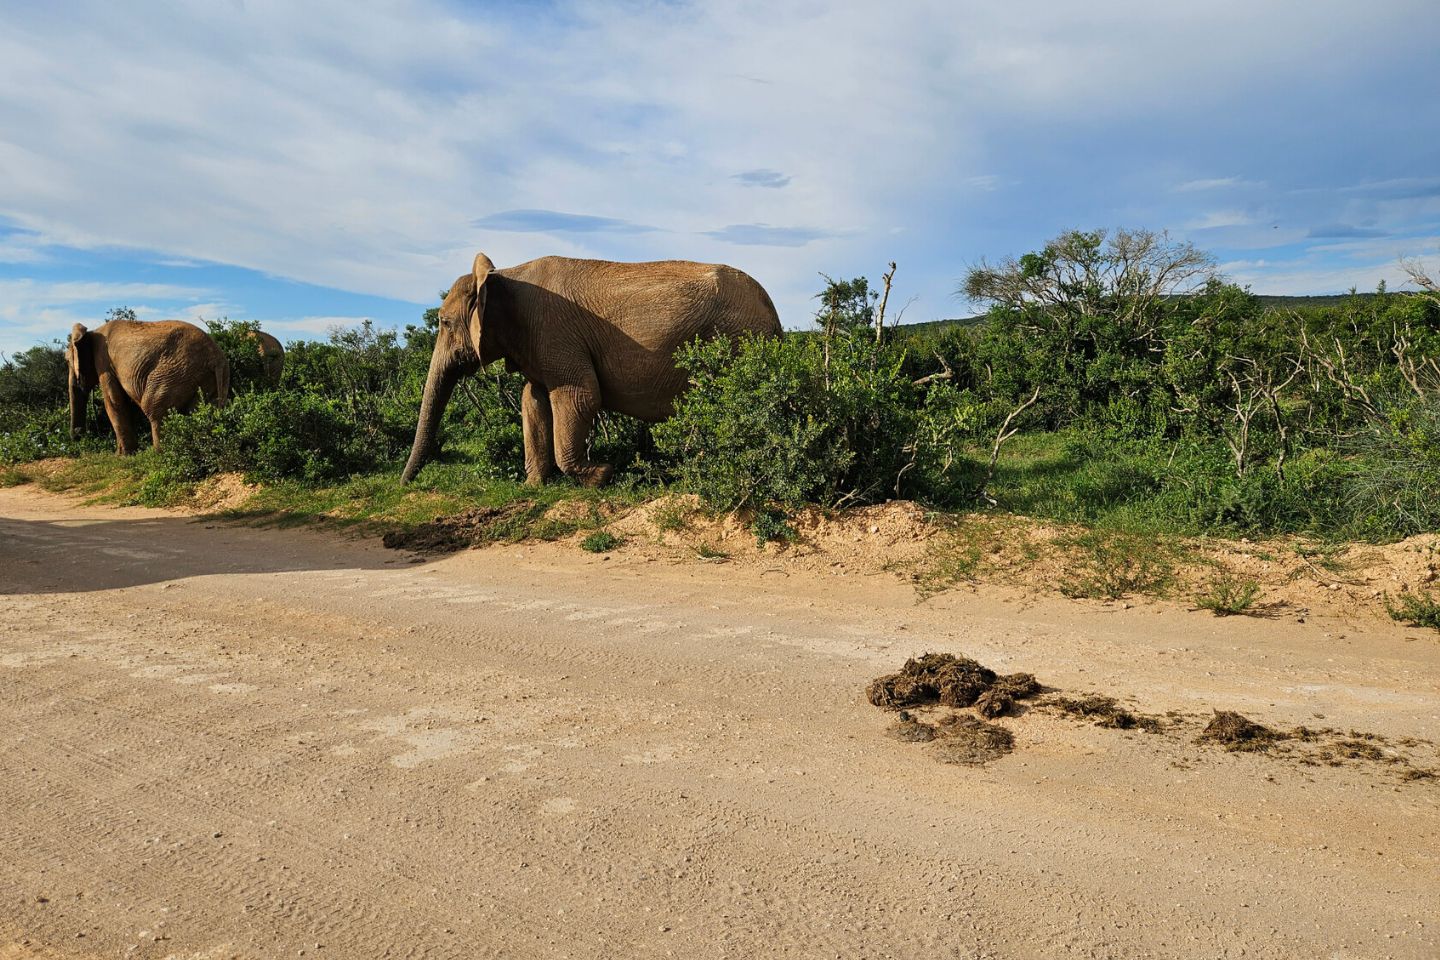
x: 601, y: 541
x: 1111, y: 565
x: 1229, y: 595
x: 707, y: 552
x: 673, y: 517
x: 369, y: 503
x: 1417, y: 609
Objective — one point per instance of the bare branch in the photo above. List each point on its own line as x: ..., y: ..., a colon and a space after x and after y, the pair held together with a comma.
x: 1005, y: 433
x: 885, y: 278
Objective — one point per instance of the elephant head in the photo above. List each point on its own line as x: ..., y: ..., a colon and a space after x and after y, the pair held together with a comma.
x: 460, y: 349
x: 80, y: 359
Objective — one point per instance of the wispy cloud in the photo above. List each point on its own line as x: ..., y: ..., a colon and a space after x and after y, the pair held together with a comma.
x: 17, y: 294
x: 987, y: 182
x: 1216, y: 183
x: 1218, y: 219
x: 1342, y: 230
x: 764, y: 235
x: 773, y: 179
x: 551, y: 221
x: 1399, y: 188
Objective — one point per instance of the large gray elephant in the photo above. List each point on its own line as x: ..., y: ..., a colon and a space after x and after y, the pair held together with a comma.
x: 150, y: 368
x: 588, y: 335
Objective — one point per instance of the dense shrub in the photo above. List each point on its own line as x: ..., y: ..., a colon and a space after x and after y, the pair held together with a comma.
x: 34, y: 422
x: 282, y: 435
x: 31, y: 433
x: 770, y: 424
x: 1399, y: 485
x: 33, y: 378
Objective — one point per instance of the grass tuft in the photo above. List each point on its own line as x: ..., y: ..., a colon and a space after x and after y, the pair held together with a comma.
x: 1417, y: 609
x: 601, y: 541
x: 1229, y: 595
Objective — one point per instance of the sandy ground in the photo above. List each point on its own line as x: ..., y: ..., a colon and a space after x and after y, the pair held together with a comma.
x: 229, y: 742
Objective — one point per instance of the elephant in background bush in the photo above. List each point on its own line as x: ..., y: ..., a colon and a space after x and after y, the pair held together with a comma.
x: 149, y: 368
x: 587, y: 335
x: 272, y: 357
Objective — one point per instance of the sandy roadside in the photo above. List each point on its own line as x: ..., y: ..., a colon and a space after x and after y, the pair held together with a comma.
x: 222, y: 741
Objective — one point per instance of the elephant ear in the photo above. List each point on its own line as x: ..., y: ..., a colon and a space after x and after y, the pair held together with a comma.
x: 480, y: 272
x: 81, y: 355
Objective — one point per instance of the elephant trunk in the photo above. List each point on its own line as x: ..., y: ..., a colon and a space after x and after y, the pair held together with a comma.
x: 79, y: 405
x: 439, y: 384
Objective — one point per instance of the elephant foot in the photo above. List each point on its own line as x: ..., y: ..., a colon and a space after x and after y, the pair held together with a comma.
x: 596, y: 475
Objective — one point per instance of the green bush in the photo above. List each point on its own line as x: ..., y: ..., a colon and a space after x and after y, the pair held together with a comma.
x: 29, y: 433
x: 770, y: 424
x: 1229, y: 595
x: 282, y: 435
x: 601, y: 541
x: 34, y: 378
x: 1398, y: 489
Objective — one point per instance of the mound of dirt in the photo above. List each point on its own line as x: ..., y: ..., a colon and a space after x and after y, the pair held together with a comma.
x: 222, y: 491
x: 462, y: 530
x: 1238, y: 733
x: 1104, y: 712
x: 950, y: 681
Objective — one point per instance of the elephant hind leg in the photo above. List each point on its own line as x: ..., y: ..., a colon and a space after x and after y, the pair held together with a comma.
x: 573, y: 409
x: 536, y: 419
x: 122, y: 412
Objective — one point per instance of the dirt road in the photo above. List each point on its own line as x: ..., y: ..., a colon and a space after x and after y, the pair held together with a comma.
x: 220, y: 741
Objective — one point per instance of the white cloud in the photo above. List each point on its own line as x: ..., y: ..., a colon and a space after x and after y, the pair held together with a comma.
x: 34, y: 311
x: 1335, y: 268
x: 310, y: 326
x: 1216, y: 219
x: 1219, y: 183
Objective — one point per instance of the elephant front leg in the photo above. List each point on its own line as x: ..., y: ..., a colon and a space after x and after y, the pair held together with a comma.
x: 573, y: 410
x: 536, y: 420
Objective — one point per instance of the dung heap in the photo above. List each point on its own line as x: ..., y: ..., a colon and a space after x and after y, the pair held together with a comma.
x: 951, y: 681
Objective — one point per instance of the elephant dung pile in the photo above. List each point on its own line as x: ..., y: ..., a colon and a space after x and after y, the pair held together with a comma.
x: 1238, y: 733
x: 951, y: 681
x: 956, y: 737
x: 1104, y: 711
x: 946, y: 680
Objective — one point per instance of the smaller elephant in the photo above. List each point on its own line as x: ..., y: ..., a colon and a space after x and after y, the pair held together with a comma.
x: 149, y: 368
x: 272, y: 356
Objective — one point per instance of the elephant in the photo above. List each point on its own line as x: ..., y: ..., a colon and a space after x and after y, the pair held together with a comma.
x: 272, y: 356
x: 149, y: 367
x: 588, y: 335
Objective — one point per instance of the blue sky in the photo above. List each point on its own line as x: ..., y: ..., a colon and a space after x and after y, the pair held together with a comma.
x: 308, y: 165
